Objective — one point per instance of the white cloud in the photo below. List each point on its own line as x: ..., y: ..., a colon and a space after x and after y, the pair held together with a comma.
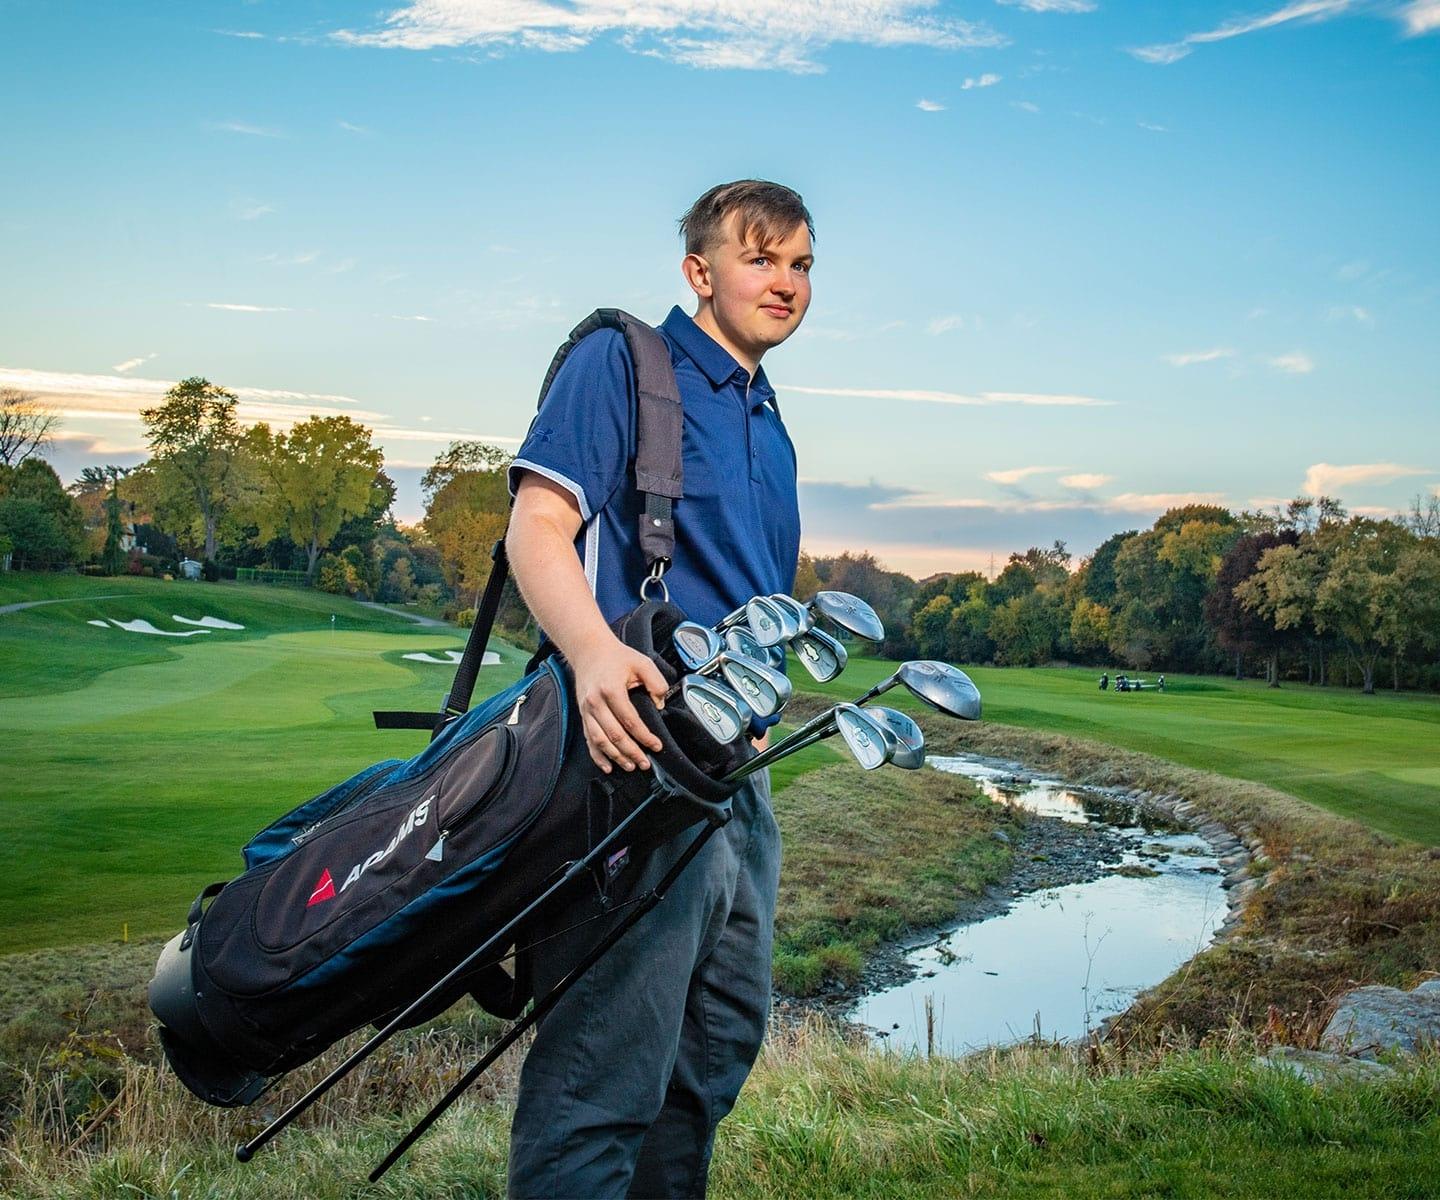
x: 738, y: 34
x: 1026, y: 105
x: 1152, y: 128
x: 1299, y: 10
x: 255, y: 212
x: 1051, y: 6
x: 246, y: 128
x: 414, y: 317
x: 248, y: 308
x: 131, y: 363
x: 1351, y: 271
x: 1421, y: 17
x: 1158, y: 502
x: 945, y: 324
x: 982, y: 81
x: 1352, y: 312
x: 1326, y: 479
x: 239, y: 33
x: 1016, y: 474
x: 1296, y: 362
x: 349, y: 128
x: 1086, y: 482
x: 339, y: 268
x: 980, y: 400
x: 1190, y: 358
x: 929, y: 106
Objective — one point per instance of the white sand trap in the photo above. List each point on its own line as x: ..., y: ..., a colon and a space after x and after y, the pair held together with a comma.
x: 207, y: 622
x: 140, y: 625
x: 102, y: 624
x: 490, y: 658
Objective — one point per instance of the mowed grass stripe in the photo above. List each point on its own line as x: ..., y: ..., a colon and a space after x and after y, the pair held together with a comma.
x: 1373, y: 758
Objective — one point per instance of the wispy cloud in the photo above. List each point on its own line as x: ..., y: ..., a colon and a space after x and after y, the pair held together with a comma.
x: 743, y: 34
x: 1327, y: 479
x: 1052, y: 6
x: 1350, y: 312
x: 1015, y: 474
x: 945, y: 324
x: 1085, y: 481
x: 247, y: 129
x: 411, y: 317
x: 254, y: 212
x: 248, y: 308
x: 1307, y: 11
x: 349, y: 128
x: 240, y: 33
x: 1191, y: 357
x: 929, y: 106
x: 1025, y: 106
x: 1421, y: 17
x: 979, y: 400
x: 1158, y: 502
x: 980, y: 81
x: 131, y: 363
x: 1151, y: 127
x: 1296, y: 362
x: 1127, y: 502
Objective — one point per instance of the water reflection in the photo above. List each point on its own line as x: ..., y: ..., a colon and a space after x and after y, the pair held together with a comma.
x: 1059, y: 960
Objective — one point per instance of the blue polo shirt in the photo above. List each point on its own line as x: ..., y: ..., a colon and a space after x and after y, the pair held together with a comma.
x: 737, y: 528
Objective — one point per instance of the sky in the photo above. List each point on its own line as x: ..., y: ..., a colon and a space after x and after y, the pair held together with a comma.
x: 1076, y: 260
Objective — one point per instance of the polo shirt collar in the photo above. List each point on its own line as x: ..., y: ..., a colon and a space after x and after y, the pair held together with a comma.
x: 716, y: 363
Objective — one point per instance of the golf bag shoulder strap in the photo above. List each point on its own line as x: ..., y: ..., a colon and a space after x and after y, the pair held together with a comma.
x: 659, y: 476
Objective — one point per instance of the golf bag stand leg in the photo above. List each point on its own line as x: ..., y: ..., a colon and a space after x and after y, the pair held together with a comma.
x: 616, y: 837
x: 551, y: 998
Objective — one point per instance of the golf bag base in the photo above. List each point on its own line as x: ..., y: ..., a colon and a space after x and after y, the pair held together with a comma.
x: 358, y: 901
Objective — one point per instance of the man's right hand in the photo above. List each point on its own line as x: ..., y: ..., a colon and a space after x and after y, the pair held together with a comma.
x: 604, y: 675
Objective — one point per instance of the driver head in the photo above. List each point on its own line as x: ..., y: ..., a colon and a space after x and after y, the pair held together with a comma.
x: 942, y: 686
x: 868, y: 739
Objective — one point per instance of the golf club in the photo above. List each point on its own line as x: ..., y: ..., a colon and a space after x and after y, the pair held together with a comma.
x: 820, y: 654
x: 696, y: 647
x: 804, y: 619
x: 765, y: 689
x: 910, y: 754
x: 937, y: 683
x: 742, y: 641
x: 724, y: 715
x: 849, y: 613
x: 869, y: 739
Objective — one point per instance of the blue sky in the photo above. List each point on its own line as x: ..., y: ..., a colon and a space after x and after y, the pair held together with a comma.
x: 1075, y: 260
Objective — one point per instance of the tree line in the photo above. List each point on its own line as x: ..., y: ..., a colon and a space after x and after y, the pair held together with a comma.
x: 1305, y: 591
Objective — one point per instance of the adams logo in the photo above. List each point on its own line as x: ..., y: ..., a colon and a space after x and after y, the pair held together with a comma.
x: 325, y: 886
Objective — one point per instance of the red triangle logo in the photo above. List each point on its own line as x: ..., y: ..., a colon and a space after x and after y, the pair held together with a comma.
x: 324, y: 890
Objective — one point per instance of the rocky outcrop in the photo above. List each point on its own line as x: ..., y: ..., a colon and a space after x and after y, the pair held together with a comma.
x: 1375, y: 1020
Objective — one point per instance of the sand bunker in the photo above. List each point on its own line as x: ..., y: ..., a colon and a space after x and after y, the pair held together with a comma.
x: 140, y: 625
x: 451, y: 657
x: 207, y: 622
x: 102, y: 624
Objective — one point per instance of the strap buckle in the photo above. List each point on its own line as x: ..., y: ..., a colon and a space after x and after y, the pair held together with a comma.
x: 656, y: 576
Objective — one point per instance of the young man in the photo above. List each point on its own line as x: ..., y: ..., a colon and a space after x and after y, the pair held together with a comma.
x: 630, y: 1074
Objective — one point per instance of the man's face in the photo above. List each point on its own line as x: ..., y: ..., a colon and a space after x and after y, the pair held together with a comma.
x: 759, y: 294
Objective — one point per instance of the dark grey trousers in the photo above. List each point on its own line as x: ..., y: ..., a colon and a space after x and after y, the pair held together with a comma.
x: 631, y: 1072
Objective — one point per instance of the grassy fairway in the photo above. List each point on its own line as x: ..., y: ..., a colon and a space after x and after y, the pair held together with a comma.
x: 1375, y: 759
x: 138, y: 765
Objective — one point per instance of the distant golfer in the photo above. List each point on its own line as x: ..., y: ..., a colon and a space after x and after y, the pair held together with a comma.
x: 1104, y: 680
x: 632, y: 1071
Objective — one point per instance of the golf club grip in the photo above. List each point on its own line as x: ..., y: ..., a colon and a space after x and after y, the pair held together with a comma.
x: 548, y: 1001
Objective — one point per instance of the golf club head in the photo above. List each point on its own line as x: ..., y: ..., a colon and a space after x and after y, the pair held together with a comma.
x: 804, y: 619
x: 941, y: 686
x: 765, y: 689
x: 822, y: 655
x: 910, y: 754
x: 725, y: 716
x: 740, y: 640
x: 849, y: 613
x: 867, y: 738
x: 768, y: 622
x: 696, y: 647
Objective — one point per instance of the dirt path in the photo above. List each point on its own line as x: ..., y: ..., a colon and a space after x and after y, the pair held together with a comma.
x: 409, y: 616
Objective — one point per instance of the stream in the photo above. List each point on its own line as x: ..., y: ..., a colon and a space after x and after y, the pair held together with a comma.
x: 1058, y: 960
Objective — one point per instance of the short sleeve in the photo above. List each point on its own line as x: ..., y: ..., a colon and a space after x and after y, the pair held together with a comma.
x: 581, y: 436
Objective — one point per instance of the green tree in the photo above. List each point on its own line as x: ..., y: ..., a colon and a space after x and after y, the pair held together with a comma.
x: 193, y: 438
x: 1408, y: 604
x: 930, y: 627
x: 1090, y: 628
x: 41, y: 520
x: 1238, y: 629
x: 323, y: 471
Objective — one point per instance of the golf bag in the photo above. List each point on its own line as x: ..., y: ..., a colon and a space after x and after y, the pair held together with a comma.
x: 392, y: 895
